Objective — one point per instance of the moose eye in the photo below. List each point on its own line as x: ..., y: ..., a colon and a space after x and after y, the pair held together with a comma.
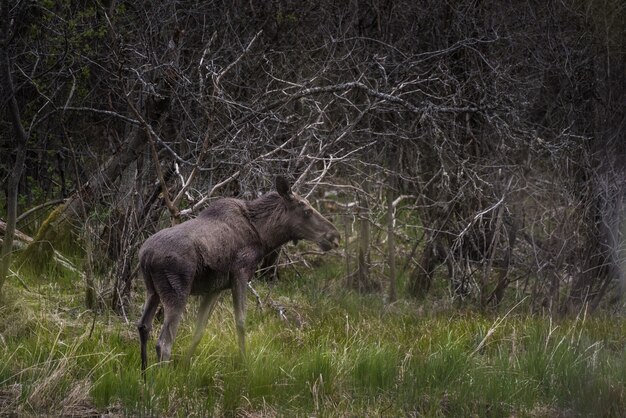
x: 307, y: 212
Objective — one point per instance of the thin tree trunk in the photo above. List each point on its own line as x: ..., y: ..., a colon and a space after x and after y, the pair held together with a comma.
x: 421, y: 277
x: 346, y: 246
x: 391, y: 247
x: 363, y: 269
x: 21, y: 137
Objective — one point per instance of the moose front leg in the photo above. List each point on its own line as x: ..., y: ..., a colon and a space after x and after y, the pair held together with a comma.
x: 239, y: 304
x: 241, y: 275
x: 207, y: 305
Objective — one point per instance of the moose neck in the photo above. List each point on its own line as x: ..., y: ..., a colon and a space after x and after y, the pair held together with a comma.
x: 268, y: 215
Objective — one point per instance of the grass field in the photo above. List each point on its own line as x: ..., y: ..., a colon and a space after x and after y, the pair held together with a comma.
x: 337, y: 353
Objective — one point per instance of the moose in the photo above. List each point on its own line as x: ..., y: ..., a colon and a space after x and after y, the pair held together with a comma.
x: 219, y: 250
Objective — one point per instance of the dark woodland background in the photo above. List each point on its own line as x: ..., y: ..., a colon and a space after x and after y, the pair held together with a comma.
x: 476, y: 146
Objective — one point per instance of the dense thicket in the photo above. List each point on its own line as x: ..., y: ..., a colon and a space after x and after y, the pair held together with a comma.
x: 496, y: 127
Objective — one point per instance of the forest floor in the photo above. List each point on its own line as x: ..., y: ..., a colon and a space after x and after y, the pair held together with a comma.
x: 330, y: 353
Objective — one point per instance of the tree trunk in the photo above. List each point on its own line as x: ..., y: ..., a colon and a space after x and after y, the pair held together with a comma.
x: 364, y: 282
x: 21, y: 137
x: 391, y: 247
x: 346, y: 248
x: 57, y: 227
x: 123, y: 229
x: 606, y: 186
x: 421, y: 277
x: 602, y: 268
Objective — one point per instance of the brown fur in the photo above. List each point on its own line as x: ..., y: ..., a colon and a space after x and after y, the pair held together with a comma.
x: 220, y: 250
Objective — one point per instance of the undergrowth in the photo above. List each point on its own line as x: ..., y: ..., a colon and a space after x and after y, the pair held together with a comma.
x: 330, y: 353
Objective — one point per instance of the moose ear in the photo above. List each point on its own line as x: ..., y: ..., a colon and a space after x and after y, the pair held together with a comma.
x: 283, y: 188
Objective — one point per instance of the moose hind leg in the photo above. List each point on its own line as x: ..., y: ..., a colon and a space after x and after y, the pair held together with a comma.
x: 144, y: 326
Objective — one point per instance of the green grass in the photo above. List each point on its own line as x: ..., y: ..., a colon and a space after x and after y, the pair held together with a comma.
x: 337, y: 354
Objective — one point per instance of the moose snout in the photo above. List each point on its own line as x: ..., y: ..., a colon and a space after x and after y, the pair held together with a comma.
x: 333, y: 237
